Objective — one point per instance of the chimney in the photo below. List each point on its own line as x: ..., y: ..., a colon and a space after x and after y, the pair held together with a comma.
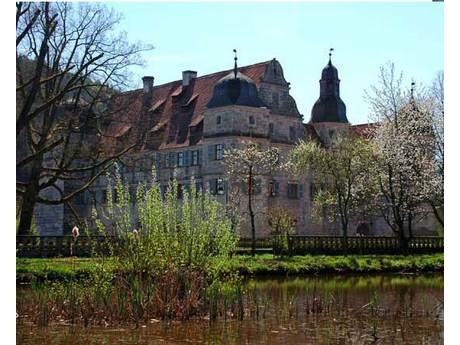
x: 148, y: 89
x: 148, y: 84
x: 187, y: 77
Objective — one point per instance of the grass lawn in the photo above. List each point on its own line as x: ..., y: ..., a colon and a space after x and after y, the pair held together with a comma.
x: 263, y: 264
x: 305, y: 264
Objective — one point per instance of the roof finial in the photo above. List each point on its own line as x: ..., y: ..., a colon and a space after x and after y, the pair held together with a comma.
x: 330, y: 54
x: 412, y: 87
x: 235, y: 69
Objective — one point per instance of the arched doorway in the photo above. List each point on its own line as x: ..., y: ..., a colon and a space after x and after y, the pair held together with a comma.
x: 363, y: 229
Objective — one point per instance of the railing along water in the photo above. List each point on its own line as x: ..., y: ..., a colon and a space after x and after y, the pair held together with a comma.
x: 299, y: 245
x: 55, y: 246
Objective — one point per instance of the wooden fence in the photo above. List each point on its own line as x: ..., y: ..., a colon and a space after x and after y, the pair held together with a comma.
x: 54, y: 246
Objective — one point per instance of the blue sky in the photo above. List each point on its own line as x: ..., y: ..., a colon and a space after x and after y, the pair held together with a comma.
x: 201, y: 36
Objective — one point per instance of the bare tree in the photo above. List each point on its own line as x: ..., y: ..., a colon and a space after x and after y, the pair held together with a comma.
x: 70, y: 61
x: 244, y: 165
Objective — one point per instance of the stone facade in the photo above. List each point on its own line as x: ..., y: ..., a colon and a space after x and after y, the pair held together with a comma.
x: 208, y: 132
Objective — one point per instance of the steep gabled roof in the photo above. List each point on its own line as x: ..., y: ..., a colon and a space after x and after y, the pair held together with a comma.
x: 173, y: 112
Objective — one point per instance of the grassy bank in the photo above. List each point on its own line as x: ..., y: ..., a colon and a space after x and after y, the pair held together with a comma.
x: 310, y: 264
x: 265, y: 264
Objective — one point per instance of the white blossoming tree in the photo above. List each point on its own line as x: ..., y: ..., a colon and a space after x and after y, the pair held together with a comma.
x: 406, y: 173
x: 243, y: 166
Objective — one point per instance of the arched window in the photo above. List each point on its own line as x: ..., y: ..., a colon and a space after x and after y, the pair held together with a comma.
x: 252, y: 121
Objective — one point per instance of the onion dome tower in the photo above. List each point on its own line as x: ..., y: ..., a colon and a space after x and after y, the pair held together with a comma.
x: 235, y: 89
x: 329, y: 107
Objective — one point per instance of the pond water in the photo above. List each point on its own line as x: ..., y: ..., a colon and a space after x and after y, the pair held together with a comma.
x: 385, y: 309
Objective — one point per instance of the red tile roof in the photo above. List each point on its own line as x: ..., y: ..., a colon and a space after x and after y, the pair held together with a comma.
x: 365, y: 130
x: 171, y: 112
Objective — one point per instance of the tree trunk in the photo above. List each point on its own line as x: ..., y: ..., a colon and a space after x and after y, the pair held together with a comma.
x: 251, y: 214
x: 402, y: 238
x: 29, y: 199
x: 437, y: 214
x: 409, y: 225
x: 345, y: 238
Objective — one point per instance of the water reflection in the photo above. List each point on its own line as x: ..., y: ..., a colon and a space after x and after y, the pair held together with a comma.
x: 388, y: 309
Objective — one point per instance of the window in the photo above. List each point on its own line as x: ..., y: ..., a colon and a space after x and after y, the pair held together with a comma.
x: 215, y: 152
x: 295, y: 191
x: 275, y: 99
x: 105, y: 196
x: 218, y: 120
x: 270, y: 129
x: 199, y: 187
x: 331, y: 133
x: 180, y: 159
x: 292, y: 133
x: 195, y: 157
x: 220, y: 186
x: 216, y: 186
x: 273, y: 188
x: 219, y: 151
x: 252, y: 120
x: 158, y: 160
x: 172, y: 159
x: 180, y: 191
x: 79, y: 198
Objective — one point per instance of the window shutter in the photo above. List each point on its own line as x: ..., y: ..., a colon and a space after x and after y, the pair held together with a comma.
x: 276, y: 188
x: 186, y: 158
x: 225, y: 187
x: 211, y: 152
x: 172, y: 156
x: 300, y: 191
x: 212, y: 186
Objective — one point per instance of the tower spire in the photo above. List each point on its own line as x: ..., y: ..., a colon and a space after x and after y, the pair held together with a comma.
x: 412, y: 87
x: 330, y: 55
x: 235, y: 69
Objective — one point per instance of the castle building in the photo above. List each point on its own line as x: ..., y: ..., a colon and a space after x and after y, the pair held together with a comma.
x: 184, y: 127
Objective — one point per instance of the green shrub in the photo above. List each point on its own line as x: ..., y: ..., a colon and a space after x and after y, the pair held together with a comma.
x: 172, y: 234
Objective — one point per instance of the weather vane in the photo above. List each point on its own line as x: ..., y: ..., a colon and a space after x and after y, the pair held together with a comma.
x: 330, y: 53
x: 412, y: 87
x: 235, y: 69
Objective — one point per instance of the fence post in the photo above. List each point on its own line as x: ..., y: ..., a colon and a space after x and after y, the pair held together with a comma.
x: 289, y: 245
